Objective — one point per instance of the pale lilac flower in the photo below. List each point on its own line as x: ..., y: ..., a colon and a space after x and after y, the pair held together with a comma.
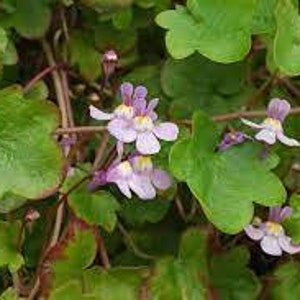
x: 271, y: 234
x: 136, y: 174
x: 271, y: 128
x: 232, y: 138
x: 135, y: 120
x: 148, y: 131
x: 121, y: 120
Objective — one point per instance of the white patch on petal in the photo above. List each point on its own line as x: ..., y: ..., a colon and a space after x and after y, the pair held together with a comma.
x: 122, y: 130
x: 287, y: 141
x: 99, y: 115
x: 285, y: 243
x: 124, y: 188
x: 142, y: 186
x: 166, y: 131
x: 254, y: 233
x: 147, y: 143
x: 267, y: 136
x: 270, y: 245
x: 251, y: 124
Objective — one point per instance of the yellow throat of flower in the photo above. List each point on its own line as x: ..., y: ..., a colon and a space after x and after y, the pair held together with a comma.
x: 274, y: 228
x: 143, y: 163
x: 125, y: 111
x: 273, y: 123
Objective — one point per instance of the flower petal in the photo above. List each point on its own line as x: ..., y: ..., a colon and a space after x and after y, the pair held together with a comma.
x: 97, y: 114
x: 166, y: 131
x: 274, y: 214
x: 286, y: 244
x: 139, y: 106
x: 278, y: 109
x: 126, y: 89
x: 140, y: 92
x: 254, y: 233
x: 147, y: 143
x: 270, y: 245
x: 285, y: 212
x: 152, y: 104
x: 124, y: 188
x: 161, y: 179
x: 122, y: 130
x: 142, y: 186
x: 251, y: 124
x: 286, y: 140
x: 268, y: 136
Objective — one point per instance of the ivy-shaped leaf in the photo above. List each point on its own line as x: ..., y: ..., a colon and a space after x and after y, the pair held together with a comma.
x: 29, y: 156
x: 31, y: 18
x: 230, y: 276
x: 286, y: 282
x: 9, y: 239
x: 198, y: 83
x: 182, y: 278
x: 218, y: 30
x: 114, y: 284
x: 96, y: 208
x: 226, y: 183
x: 286, y: 45
x: 77, y: 255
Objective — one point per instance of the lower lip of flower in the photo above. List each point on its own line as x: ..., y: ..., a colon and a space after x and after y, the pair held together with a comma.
x: 125, y: 168
x: 273, y: 228
x: 143, y: 123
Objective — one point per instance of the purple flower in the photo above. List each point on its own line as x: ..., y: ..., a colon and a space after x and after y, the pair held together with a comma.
x: 271, y: 128
x: 232, y: 138
x: 271, y: 234
x: 136, y: 174
x: 134, y: 120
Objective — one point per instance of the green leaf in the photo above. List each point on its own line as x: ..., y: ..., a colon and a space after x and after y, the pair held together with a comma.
x: 78, y: 254
x: 182, y: 278
x: 122, y: 19
x: 114, y: 284
x: 9, y: 239
x: 194, y: 28
x: 286, y: 282
x: 10, y: 294
x: 31, y: 18
x: 264, y: 19
x: 30, y: 158
x: 231, y: 277
x: 225, y: 189
x: 292, y: 223
x: 85, y: 55
x: 39, y: 91
x: 96, y: 208
x: 10, y: 56
x: 3, y: 40
x: 286, y: 45
x: 197, y: 83
x: 137, y: 212
x: 104, y: 5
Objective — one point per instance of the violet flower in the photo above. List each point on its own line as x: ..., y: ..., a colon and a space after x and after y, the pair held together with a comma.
x: 271, y: 234
x: 136, y: 174
x: 232, y: 138
x: 134, y: 120
x: 271, y: 128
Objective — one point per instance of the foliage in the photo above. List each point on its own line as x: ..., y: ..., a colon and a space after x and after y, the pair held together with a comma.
x: 107, y: 193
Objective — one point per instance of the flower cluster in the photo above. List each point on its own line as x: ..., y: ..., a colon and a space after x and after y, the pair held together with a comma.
x: 271, y: 234
x: 135, y: 121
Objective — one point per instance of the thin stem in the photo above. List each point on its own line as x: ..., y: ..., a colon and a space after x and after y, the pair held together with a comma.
x: 38, y: 77
x: 102, y: 250
x: 129, y: 241
x: 57, y: 83
x: 101, y: 150
x: 80, y: 129
x: 35, y: 289
x: 58, y: 223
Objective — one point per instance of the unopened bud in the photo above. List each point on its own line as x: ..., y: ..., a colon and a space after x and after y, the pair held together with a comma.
x: 79, y: 88
x: 32, y: 215
x: 109, y: 63
x: 93, y: 97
